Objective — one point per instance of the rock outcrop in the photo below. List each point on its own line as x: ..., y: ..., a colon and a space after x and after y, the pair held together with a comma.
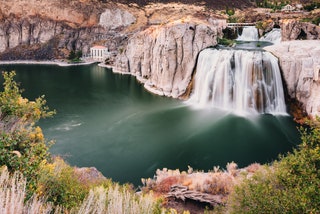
x: 164, y: 57
x: 36, y: 31
x: 300, y: 65
x: 46, y: 30
x: 293, y: 29
x: 114, y: 18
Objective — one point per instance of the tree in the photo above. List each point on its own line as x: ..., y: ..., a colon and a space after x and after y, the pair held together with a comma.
x: 22, y: 145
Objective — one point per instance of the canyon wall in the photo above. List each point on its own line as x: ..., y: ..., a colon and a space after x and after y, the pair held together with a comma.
x: 46, y: 30
x: 300, y: 65
x: 164, y: 57
x: 50, y: 38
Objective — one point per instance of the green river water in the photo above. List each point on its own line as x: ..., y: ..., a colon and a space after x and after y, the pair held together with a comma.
x: 109, y: 121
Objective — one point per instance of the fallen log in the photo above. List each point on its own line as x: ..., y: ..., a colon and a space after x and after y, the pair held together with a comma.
x: 183, y: 193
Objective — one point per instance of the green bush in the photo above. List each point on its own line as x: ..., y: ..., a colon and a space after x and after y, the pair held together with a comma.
x: 312, y: 6
x: 22, y: 145
x: 290, y: 185
x: 230, y: 12
x: 60, y: 185
x: 75, y: 56
x: 316, y: 20
x: 225, y: 42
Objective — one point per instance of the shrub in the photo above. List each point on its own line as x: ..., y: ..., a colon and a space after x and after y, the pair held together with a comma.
x: 290, y: 185
x: 60, y: 185
x: 316, y: 20
x: 22, y: 145
x: 225, y: 42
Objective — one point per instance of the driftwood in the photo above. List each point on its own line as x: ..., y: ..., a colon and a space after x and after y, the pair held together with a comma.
x: 182, y: 192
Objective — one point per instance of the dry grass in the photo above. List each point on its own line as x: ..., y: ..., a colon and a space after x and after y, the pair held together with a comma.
x: 13, y: 193
x: 216, y: 182
x: 115, y: 199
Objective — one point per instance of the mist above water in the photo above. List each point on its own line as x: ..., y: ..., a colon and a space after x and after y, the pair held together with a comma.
x: 245, y: 82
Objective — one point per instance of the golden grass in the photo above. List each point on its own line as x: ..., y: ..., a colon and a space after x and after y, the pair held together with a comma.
x: 114, y: 199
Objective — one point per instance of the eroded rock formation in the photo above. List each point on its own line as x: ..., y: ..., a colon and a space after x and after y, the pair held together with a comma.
x: 300, y: 65
x: 292, y: 29
x: 163, y: 57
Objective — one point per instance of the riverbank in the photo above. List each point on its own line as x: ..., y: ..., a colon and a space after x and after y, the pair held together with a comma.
x: 54, y: 62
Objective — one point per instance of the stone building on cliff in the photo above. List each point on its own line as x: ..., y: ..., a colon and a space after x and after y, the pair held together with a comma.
x: 99, y: 53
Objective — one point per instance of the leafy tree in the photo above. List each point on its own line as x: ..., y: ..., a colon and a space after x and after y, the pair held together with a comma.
x: 75, y: 56
x: 22, y: 145
x: 230, y: 12
x: 72, y: 55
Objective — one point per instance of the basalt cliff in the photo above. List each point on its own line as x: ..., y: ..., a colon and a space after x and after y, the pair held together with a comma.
x: 46, y: 30
x: 163, y: 57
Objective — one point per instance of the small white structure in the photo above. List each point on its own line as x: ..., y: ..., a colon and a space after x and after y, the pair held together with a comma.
x: 99, y: 53
x: 299, y: 7
x: 288, y: 8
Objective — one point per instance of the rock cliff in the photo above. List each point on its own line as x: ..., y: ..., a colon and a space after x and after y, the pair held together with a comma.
x: 44, y: 30
x: 38, y: 33
x: 292, y: 29
x: 163, y: 57
x: 300, y: 65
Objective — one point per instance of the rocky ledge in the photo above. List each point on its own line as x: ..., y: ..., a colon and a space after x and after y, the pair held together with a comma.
x: 300, y: 65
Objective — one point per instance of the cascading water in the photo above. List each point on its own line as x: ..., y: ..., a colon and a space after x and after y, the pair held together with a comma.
x: 239, y: 80
x: 273, y: 36
x: 249, y: 33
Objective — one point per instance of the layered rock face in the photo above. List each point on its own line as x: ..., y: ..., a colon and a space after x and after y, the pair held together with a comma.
x: 164, y: 57
x: 292, y: 29
x: 45, y: 30
x: 300, y: 65
x: 38, y: 31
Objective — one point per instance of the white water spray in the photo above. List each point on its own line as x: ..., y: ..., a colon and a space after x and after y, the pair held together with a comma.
x: 240, y: 81
x: 273, y: 36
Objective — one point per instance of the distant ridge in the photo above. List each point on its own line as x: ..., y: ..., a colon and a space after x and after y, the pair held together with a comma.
x: 214, y: 4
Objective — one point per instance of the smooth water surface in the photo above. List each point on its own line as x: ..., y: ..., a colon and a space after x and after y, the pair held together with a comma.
x: 109, y: 121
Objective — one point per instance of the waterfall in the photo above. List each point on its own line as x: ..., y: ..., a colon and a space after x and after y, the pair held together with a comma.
x: 249, y: 33
x: 273, y: 36
x: 239, y: 80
